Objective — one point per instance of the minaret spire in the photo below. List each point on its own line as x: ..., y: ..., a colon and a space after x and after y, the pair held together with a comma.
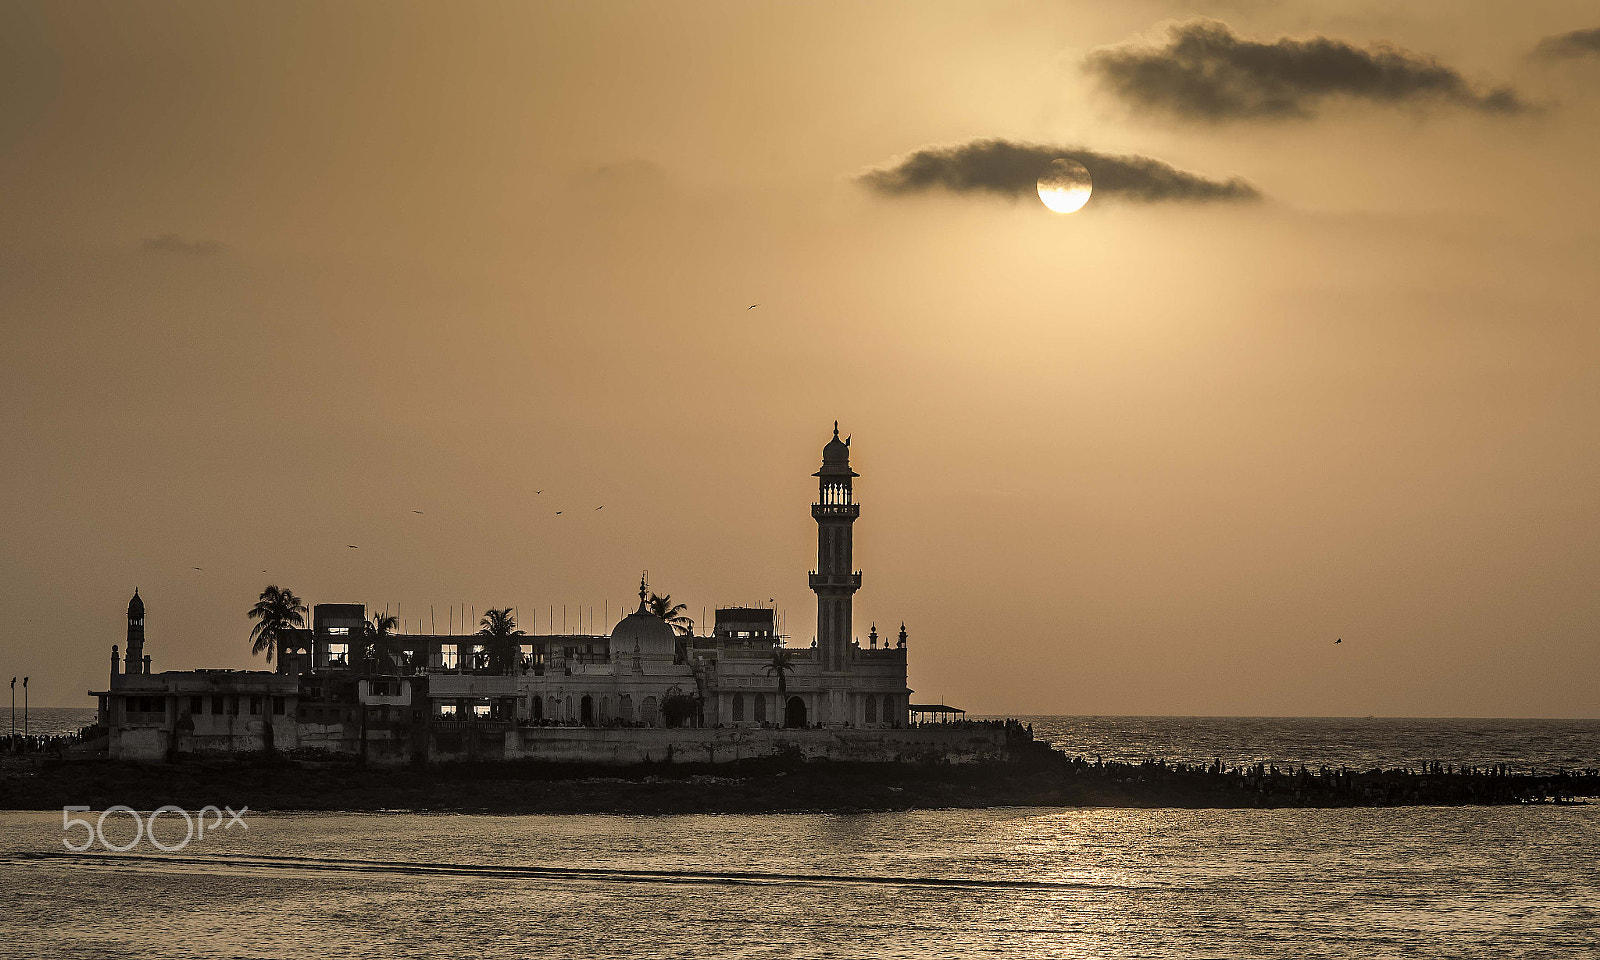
x: 135, y: 662
x: 643, y: 590
x: 835, y: 580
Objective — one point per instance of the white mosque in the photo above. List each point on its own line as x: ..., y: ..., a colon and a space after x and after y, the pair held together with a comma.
x: 645, y: 674
x: 643, y: 692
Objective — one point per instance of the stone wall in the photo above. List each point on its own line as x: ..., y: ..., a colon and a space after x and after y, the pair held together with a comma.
x: 391, y: 744
x: 628, y: 745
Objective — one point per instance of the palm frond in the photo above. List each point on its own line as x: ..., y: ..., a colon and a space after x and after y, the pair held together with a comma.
x: 277, y: 611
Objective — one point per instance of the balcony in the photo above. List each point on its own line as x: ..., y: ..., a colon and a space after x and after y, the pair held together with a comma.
x: 835, y: 511
x: 835, y: 581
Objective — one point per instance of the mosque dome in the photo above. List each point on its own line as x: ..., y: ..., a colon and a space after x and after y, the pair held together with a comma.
x: 836, y: 457
x: 836, y: 450
x: 136, y: 607
x: 642, y: 633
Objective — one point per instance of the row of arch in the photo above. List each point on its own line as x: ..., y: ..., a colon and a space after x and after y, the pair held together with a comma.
x: 764, y: 707
x: 794, y: 710
x: 603, y: 710
x: 590, y: 711
x: 836, y: 493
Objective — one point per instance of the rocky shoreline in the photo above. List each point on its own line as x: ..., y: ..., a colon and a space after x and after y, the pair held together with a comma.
x: 1042, y: 778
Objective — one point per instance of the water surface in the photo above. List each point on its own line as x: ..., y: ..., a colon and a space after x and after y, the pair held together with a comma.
x: 1425, y: 882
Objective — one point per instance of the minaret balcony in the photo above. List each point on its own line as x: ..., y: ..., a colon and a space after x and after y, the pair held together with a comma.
x: 835, y: 581
x: 835, y: 511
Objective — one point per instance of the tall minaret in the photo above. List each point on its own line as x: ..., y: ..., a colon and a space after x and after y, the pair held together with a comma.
x: 834, y: 581
x: 135, y: 653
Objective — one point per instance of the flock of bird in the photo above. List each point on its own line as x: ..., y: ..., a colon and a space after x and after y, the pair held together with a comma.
x: 354, y: 546
x: 601, y: 506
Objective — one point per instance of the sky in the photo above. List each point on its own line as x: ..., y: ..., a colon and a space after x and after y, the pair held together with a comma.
x: 1315, y: 362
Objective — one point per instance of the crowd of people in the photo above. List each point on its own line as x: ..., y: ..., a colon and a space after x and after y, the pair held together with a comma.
x: 1013, y: 728
x: 48, y: 744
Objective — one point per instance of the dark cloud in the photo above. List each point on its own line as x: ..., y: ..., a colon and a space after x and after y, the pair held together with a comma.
x: 1207, y: 72
x: 1008, y: 169
x: 1578, y: 43
x: 173, y: 244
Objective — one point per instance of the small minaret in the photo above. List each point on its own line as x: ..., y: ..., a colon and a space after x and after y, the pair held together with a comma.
x: 834, y: 582
x: 135, y: 651
x: 902, y: 634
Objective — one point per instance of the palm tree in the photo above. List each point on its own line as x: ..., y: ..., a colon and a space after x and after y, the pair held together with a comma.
x: 379, y: 644
x: 662, y: 606
x: 277, y: 613
x: 782, y: 663
x: 500, y: 629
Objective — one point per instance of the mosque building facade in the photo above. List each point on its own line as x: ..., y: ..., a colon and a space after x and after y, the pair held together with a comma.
x: 644, y: 690
x: 741, y: 674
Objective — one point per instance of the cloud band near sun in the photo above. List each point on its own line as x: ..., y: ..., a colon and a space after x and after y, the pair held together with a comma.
x: 1206, y: 72
x: 1578, y: 43
x: 1009, y: 169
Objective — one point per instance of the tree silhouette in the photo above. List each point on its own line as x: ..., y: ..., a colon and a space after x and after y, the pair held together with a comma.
x: 277, y: 613
x: 380, y: 648
x: 499, y: 628
x: 662, y: 606
x: 782, y: 663
x: 680, y: 710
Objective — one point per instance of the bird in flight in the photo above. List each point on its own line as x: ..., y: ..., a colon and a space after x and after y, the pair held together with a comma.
x: 752, y: 306
x: 201, y: 569
x: 1340, y: 640
x: 538, y: 491
x: 601, y: 507
x: 416, y: 511
x: 558, y: 513
x: 352, y: 546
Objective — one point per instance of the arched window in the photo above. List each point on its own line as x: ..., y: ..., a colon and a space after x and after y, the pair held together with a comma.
x: 888, y: 709
x: 537, y: 708
x: 647, y: 711
x: 738, y: 707
x: 761, y: 707
x: 625, y: 708
x: 872, y: 709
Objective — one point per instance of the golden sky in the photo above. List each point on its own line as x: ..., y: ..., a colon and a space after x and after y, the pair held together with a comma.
x: 1318, y: 359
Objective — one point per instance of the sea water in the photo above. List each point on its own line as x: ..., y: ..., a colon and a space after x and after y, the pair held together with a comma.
x: 1361, y: 743
x: 1418, y: 882
x: 1506, y: 882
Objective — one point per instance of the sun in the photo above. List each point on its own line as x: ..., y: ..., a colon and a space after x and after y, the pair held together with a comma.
x: 1066, y: 187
